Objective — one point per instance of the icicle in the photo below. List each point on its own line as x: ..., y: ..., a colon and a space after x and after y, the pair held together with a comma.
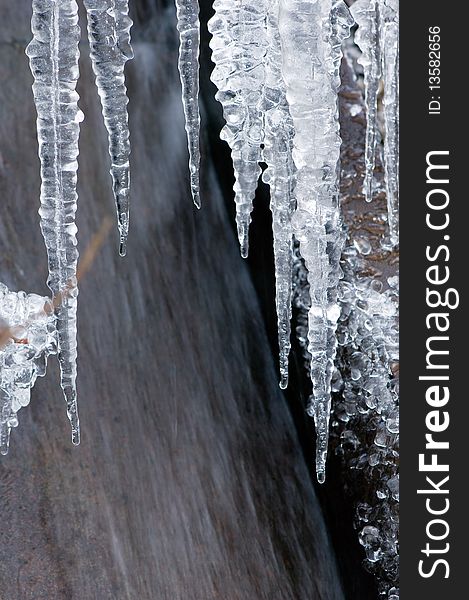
x: 378, y: 38
x: 389, y: 36
x: 366, y: 15
x: 109, y: 37
x: 189, y: 42
x: 239, y: 44
x: 53, y: 54
x: 310, y: 33
x: 277, y: 154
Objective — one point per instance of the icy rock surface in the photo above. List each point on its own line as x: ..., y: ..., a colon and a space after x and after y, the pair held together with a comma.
x: 53, y: 55
x: 365, y: 415
x: 27, y: 337
x: 109, y: 37
x: 378, y: 38
x: 188, y: 25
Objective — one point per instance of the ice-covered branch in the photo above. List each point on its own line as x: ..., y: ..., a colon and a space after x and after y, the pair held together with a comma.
x: 53, y: 55
x: 27, y: 338
x: 109, y: 37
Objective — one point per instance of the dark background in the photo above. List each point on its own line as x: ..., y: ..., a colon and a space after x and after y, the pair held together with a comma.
x: 421, y: 133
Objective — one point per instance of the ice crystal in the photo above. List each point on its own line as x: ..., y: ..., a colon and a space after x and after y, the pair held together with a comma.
x: 27, y: 338
x: 365, y: 413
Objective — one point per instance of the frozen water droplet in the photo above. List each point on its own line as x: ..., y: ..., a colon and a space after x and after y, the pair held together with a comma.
x: 362, y: 245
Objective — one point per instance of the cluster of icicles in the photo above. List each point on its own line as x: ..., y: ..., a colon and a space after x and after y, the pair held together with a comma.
x: 277, y: 68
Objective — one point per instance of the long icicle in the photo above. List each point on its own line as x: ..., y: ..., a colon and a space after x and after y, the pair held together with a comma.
x: 366, y: 15
x: 277, y: 154
x: 239, y: 45
x: 378, y: 39
x: 310, y: 32
x: 189, y: 42
x: 389, y: 36
x: 109, y: 37
x: 53, y: 55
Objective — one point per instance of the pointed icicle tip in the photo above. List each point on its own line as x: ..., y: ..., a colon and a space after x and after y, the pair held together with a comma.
x: 283, y: 384
x: 123, y: 227
x: 243, y: 236
x: 70, y: 395
x: 196, y: 197
x: 188, y: 26
x: 195, y: 178
x: 321, y: 453
x: 122, y: 246
x: 368, y: 187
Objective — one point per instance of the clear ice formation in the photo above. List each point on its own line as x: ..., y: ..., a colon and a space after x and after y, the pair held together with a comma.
x: 365, y: 412
x: 277, y: 68
x: 239, y: 46
x: 311, y: 32
x: 280, y: 176
x: 378, y: 38
x: 365, y: 13
x: 53, y: 55
x: 27, y: 337
x: 390, y: 58
x: 277, y: 73
x: 109, y: 38
x: 187, y: 12
x: 258, y: 129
